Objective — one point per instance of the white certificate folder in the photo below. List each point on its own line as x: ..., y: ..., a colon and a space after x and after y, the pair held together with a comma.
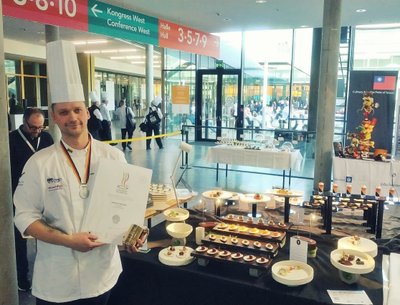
x: 117, y: 200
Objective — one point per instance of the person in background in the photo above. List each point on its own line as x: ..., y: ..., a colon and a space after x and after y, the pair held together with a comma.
x: 71, y: 266
x: 95, y: 118
x: 105, y: 133
x: 24, y: 142
x: 123, y: 111
x: 153, y: 120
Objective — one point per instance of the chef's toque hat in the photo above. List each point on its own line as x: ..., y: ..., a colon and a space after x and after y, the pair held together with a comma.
x: 94, y: 97
x: 63, y: 73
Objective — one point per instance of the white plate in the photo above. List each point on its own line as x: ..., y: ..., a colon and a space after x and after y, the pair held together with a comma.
x: 369, y: 263
x: 364, y: 245
x: 175, y: 259
x: 217, y: 194
x: 249, y: 198
x: 289, y: 193
x: 176, y: 214
x: 300, y: 274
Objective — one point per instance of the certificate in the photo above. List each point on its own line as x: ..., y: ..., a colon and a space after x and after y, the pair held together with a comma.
x: 117, y: 200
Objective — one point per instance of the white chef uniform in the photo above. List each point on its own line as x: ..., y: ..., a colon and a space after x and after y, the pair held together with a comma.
x: 49, y: 190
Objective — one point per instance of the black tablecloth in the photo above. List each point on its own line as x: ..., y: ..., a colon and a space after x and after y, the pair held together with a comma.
x: 146, y: 281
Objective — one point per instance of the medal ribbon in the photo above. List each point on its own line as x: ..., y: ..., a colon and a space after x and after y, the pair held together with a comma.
x: 87, y: 163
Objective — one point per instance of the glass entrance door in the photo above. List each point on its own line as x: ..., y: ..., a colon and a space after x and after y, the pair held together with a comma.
x: 217, y: 104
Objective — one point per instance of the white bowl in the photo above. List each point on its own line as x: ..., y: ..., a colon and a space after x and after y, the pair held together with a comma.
x: 179, y: 229
x: 176, y: 214
x: 364, y: 245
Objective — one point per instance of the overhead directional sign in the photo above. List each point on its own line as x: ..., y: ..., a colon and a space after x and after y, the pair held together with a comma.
x: 117, y: 22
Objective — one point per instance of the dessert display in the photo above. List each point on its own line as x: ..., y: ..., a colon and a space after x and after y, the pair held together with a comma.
x: 358, y: 243
x: 176, y: 256
x: 254, y: 198
x: 351, y: 263
x: 217, y: 194
x: 292, y: 273
x: 259, y: 223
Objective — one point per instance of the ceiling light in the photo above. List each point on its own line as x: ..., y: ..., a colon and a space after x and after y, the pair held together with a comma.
x: 127, y: 50
x: 138, y: 62
x: 79, y: 43
x: 98, y: 41
x: 227, y: 19
x: 261, y: 1
x: 304, y: 26
x: 92, y: 52
x: 135, y: 56
x: 117, y: 57
x: 109, y: 51
x: 361, y: 10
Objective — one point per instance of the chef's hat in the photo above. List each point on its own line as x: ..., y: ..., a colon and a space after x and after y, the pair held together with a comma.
x: 94, y: 97
x: 63, y: 73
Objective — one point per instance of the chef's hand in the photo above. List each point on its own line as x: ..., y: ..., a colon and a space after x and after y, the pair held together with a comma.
x: 84, y: 241
x: 139, y: 243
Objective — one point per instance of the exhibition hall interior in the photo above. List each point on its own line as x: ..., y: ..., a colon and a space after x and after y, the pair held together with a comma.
x: 275, y: 172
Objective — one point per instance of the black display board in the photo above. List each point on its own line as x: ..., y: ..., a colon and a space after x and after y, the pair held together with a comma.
x: 382, y: 86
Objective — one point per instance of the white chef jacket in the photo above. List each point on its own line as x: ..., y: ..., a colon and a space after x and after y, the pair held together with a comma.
x: 49, y: 190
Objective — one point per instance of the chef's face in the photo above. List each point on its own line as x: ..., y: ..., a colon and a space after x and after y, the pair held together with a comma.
x: 71, y: 118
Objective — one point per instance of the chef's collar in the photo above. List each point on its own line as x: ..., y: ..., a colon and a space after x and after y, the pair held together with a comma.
x: 71, y: 150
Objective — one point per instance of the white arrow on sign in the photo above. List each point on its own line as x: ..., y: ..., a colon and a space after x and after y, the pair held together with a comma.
x: 94, y: 10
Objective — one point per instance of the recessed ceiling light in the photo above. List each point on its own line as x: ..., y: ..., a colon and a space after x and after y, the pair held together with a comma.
x: 361, y: 10
x: 260, y: 1
x: 227, y: 19
x: 304, y: 26
x: 92, y: 52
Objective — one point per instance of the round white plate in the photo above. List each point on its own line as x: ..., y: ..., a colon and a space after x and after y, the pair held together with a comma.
x: 217, y: 194
x: 369, y: 263
x: 172, y: 258
x: 364, y: 245
x: 295, y: 273
x: 249, y: 198
x: 176, y: 214
x: 289, y: 193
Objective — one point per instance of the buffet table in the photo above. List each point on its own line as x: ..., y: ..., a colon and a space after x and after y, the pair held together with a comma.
x: 366, y: 172
x: 146, y: 281
x: 267, y: 158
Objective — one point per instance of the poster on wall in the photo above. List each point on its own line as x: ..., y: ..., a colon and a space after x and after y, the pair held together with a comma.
x: 370, y: 109
x: 180, y: 99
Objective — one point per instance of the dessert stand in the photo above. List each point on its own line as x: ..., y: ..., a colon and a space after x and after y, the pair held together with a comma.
x: 287, y: 194
x: 362, y: 244
x: 254, y: 199
x: 351, y: 273
x: 216, y: 197
x: 178, y: 255
x: 292, y: 273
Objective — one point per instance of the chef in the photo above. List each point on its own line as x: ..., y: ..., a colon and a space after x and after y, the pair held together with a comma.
x: 71, y: 265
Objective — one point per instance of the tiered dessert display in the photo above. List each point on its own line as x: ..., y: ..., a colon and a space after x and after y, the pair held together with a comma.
x: 328, y: 202
x: 287, y: 194
x: 243, y: 240
x: 254, y: 199
x: 178, y: 254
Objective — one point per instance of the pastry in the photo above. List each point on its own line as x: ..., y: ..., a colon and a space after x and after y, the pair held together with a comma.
x: 237, y: 255
x: 243, y: 229
x: 275, y: 234
x: 262, y: 260
x: 253, y: 231
x: 264, y: 232
x: 249, y: 258
x: 234, y: 240
x: 250, y: 220
x: 261, y: 221
x: 201, y: 249
x: 222, y: 225
x: 223, y: 239
x: 257, y: 244
x: 257, y: 196
x: 212, y: 236
x: 212, y: 251
x: 232, y: 227
x: 245, y: 242
x: 224, y: 253
x: 269, y: 246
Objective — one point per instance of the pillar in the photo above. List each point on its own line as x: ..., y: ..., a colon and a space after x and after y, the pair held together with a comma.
x: 314, y: 80
x: 327, y: 92
x: 149, y: 74
x: 8, y: 269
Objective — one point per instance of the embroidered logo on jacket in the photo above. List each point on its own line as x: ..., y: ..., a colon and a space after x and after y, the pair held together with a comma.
x: 54, y: 184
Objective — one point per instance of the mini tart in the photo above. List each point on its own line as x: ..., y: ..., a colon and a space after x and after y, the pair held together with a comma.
x: 236, y: 255
x: 232, y: 227
x: 223, y: 239
x: 240, y: 217
x: 281, y: 224
x: 261, y: 221
x: 171, y: 248
x: 212, y: 236
x: 271, y: 222
x: 230, y: 216
x: 201, y: 249
x: 212, y: 251
x: 224, y: 253
x: 276, y: 234
x: 262, y: 260
x: 253, y: 231
x: 222, y: 225
x: 234, y: 240
x: 245, y: 242
x: 243, y: 229
x: 269, y: 246
x: 249, y: 258
x: 250, y: 220
x: 257, y: 244
x: 264, y: 232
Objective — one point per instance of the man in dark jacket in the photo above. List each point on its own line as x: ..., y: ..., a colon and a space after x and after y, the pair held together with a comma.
x: 24, y: 142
